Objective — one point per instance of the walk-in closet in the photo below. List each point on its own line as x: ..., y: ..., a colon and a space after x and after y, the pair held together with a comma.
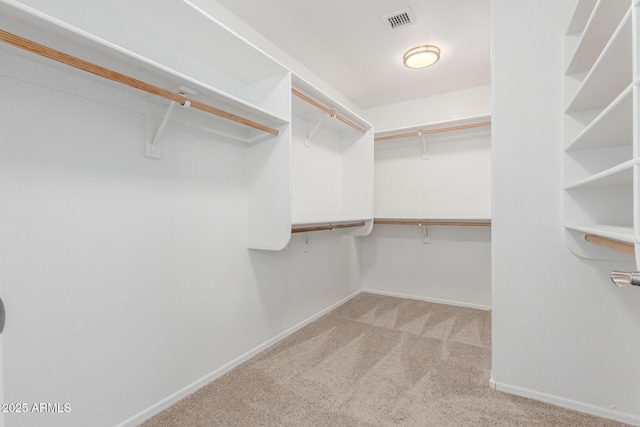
x: 294, y: 213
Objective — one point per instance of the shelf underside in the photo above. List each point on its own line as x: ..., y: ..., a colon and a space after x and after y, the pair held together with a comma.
x: 447, y: 124
x: 611, y: 128
x: 323, y: 120
x: 581, y: 15
x: 611, y: 73
x: 452, y: 222
x: 304, y: 98
x: 38, y: 28
x: 618, y: 176
x: 330, y: 226
x: 596, y: 31
x: 616, y: 232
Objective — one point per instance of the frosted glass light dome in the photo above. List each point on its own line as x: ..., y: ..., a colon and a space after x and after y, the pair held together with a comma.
x: 421, y: 56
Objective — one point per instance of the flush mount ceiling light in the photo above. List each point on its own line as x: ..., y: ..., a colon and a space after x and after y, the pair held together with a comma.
x: 421, y: 56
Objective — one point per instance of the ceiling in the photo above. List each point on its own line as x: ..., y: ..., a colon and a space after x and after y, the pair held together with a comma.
x: 350, y: 46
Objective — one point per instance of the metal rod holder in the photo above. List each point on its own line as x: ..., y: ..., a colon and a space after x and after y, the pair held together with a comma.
x: 625, y: 278
x: 2, y: 316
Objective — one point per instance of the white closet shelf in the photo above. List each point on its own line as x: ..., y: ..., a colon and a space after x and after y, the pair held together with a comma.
x: 312, y: 104
x: 331, y: 162
x: 35, y: 26
x: 305, y: 222
x: 327, y: 226
x: 613, y: 127
x: 596, y: 24
x: 615, y: 232
x: 580, y: 17
x: 617, y: 176
x: 335, y: 116
x: 204, y: 44
x: 432, y: 127
x: 600, y: 117
x: 611, y: 73
x: 608, y: 238
x: 452, y: 222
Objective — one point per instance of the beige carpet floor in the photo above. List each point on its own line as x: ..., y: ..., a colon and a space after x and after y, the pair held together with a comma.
x: 374, y: 361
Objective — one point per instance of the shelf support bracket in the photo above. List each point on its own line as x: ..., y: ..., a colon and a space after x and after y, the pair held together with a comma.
x: 152, y: 147
x: 425, y: 151
x: 307, y: 242
x: 307, y: 143
x: 426, y: 238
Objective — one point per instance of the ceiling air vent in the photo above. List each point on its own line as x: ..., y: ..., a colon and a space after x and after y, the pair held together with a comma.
x: 399, y: 19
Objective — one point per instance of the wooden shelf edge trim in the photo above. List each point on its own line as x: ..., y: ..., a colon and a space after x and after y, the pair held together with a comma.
x: 329, y: 226
x: 432, y: 222
x: 430, y: 131
x: 327, y: 110
x: 106, y: 73
x: 617, y: 245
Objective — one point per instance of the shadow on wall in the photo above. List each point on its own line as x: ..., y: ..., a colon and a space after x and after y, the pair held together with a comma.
x: 313, y: 272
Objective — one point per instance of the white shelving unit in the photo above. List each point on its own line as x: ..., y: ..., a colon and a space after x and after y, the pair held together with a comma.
x: 616, y: 177
x: 292, y: 180
x: 620, y: 233
x: 601, y: 110
x: 224, y: 70
x: 443, y: 174
x: 610, y: 73
x: 210, y: 69
x: 332, y: 163
x: 611, y: 128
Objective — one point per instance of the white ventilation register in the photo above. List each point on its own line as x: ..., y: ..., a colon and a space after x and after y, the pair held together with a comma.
x: 399, y: 19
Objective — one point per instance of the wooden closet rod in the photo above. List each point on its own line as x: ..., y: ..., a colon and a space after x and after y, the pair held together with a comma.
x: 327, y: 227
x: 327, y: 110
x: 432, y: 222
x: 89, y: 67
x: 426, y: 132
x: 617, y: 245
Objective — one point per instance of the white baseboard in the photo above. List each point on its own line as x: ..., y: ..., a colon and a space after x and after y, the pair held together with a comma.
x: 434, y: 300
x: 193, y: 387
x: 567, y: 403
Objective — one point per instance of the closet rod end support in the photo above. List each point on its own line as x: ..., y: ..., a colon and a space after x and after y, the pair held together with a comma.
x: 625, y: 278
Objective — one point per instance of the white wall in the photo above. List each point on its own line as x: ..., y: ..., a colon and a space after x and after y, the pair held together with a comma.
x: 127, y: 279
x: 453, y: 180
x: 454, y: 183
x: 453, y: 268
x: 561, y: 331
x: 447, y: 106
